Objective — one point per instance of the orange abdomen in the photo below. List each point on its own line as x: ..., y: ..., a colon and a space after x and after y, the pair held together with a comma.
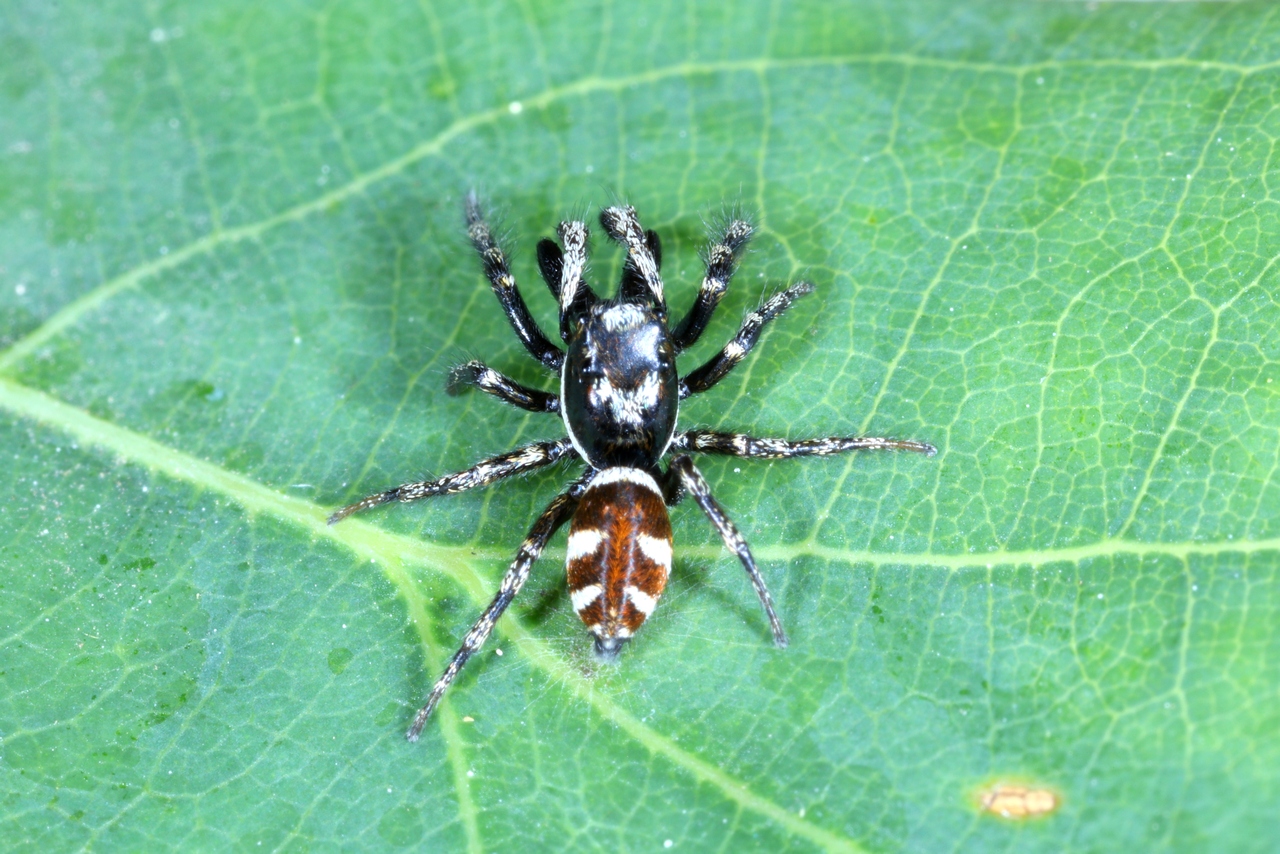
x: 619, y: 554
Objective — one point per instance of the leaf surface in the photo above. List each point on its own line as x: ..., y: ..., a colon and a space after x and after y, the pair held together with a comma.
x: 233, y: 281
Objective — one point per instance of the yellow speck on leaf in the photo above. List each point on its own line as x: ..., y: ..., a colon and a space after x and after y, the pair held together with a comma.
x: 1018, y: 801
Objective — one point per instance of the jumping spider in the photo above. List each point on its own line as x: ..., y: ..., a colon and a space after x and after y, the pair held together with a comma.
x: 619, y: 395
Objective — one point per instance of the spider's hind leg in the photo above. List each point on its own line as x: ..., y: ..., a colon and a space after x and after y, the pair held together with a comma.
x: 686, y: 473
x: 556, y: 514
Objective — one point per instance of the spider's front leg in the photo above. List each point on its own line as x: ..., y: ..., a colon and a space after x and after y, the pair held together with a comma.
x: 689, y: 479
x: 483, y: 473
x: 485, y: 378
x: 640, y: 278
x: 556, y: 514
x: 702, y: 378
x: 564, y: 272
x: 498, y: 272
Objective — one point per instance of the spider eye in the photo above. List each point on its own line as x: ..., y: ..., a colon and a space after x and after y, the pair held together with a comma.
x: 587, y: 366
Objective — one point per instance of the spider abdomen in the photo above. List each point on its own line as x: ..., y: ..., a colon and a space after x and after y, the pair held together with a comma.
x: 619, y: 554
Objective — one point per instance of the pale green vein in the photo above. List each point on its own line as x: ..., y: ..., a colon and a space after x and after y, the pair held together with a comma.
x: 73, y: 311
x: 1109, y: 548
x: 376, y: 544
x: 1106, y: 549
x: 394, y: 554
x: 1193, y: 382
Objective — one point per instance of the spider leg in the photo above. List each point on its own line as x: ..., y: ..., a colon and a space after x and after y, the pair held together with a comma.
x: 505, y: 389
x: 640, y: 279
x: 556, y: 514
x: 722, y: 259
x: 483, y: 473
x: 564, y: 270
x: 499, y: 275
x: 632, y: 280
x: 702, y: 378
x: 691, y: 480
x: 753, y: 447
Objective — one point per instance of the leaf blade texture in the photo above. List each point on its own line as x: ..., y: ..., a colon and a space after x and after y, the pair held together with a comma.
x: 233, y: 281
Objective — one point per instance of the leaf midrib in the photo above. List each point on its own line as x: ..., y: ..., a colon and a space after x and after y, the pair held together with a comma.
x: 393, y: 553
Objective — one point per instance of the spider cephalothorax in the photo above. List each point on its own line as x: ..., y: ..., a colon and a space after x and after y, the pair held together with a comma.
x: 619, y: 390
x: 619, y: 396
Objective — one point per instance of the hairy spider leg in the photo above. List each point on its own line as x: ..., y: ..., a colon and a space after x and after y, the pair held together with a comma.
x: 556, y: 514
x: 619, y: 555
x: 722, y: 260
x: 564, y: 271
x: 633, y: 286
x: 691, y: 480
x: 573, y: 261
x: 478, y: 374
x: 640, y: 279
x: 498, y: 272
x: 758, y: 448
x: 575, y: 295
x: 483, y: 473
x: 718, y: 366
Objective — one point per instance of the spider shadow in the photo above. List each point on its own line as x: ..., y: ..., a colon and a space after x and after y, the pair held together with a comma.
x: 707, y: 580
x: 545, y: 602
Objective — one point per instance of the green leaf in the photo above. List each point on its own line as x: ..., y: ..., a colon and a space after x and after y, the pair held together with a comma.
x: 233, y: 280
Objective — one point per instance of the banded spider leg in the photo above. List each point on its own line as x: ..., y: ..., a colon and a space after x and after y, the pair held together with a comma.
x: 557, y: 513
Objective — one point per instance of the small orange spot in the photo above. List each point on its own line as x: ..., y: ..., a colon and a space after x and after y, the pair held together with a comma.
x: 1017, y: 801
